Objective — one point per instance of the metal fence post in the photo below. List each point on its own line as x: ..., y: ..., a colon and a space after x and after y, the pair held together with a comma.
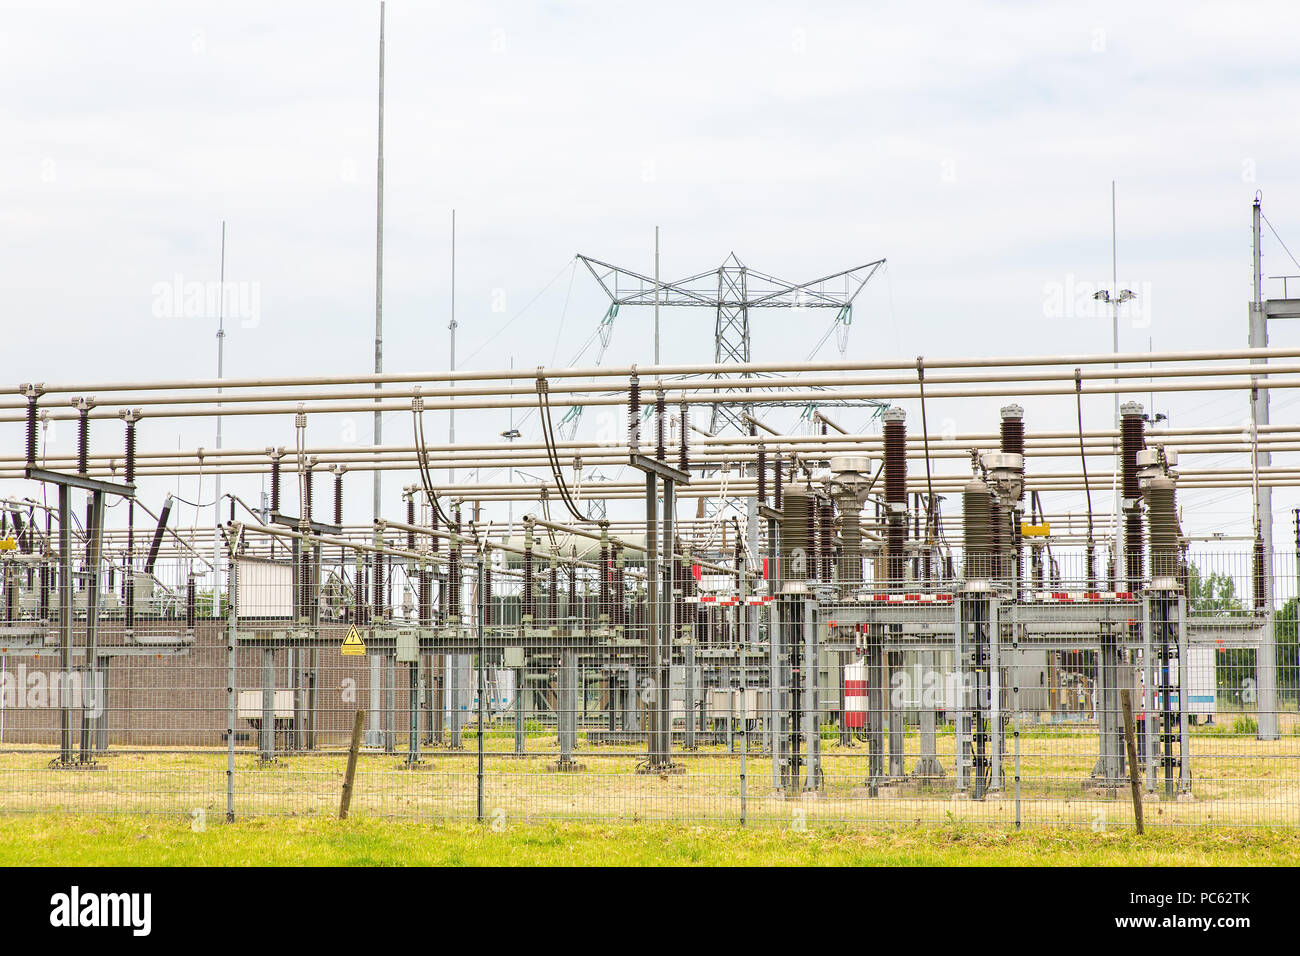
x: 1015, y: 701
x: 744, y: 741
x: 482, y: 670
x: 231, y: 692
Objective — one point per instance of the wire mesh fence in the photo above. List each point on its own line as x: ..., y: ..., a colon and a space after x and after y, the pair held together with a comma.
x: 503, y: 686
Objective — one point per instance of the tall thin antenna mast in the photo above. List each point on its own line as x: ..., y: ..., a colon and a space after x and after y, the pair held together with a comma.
x: 379, y: 263
x: 656, y: 295
x: 221, y: 348
x: 1114, y: 320
x: 374, y: 734
x: 451, y: 414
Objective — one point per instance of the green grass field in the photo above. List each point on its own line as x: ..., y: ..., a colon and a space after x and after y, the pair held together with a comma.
x: 92, y: 840
x: 1236, y: 781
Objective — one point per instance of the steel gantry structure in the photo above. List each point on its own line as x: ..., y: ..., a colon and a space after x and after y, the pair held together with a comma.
x: 732, y: 290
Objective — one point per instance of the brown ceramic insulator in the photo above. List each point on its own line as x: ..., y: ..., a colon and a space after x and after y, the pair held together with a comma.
x: 1132, y: 441
x: 1162, y: 528
x: 1134, y: 550
x: 896, y: 462
x: 795, y: 519
x: 976, y: 530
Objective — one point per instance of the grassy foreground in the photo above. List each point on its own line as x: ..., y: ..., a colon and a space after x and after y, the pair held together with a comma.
x: 90, y: 840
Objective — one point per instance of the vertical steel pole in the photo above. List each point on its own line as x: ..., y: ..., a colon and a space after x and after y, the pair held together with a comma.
x: 1266, y: 659
x: 216, y: 505
x: 65, y: 619
x: 92, y: 704
x: 231, y: 692
x: 958, y: 703
x: 812, y: 736
x: 482, y: 671
x: 268, y: 703
x: 652, y: 607
x: 373, y: 733
x: 663, y: 676
x: 657, y: 300
x: 995, y: 695
x: 376, y: 476
x: 1015, y: 702
x: 1148, y: 702
x: 744, y: 742
x: 1184, y: 692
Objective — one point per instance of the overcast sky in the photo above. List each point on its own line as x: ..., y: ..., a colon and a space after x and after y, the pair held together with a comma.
x: 972, y: 145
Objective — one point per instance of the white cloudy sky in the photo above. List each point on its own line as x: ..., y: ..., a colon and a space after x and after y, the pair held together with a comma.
x: 971, y: 144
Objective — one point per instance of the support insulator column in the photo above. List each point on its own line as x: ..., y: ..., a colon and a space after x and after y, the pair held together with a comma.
x: 895, y: 441
x: 1132, y: 441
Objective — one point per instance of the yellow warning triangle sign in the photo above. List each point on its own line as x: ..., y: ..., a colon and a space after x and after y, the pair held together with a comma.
x: 353, y: 645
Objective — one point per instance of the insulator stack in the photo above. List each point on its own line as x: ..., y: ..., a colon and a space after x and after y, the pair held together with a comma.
x: 553, y: 587
x: 684, y: 446
x: 1163, y: 528
x: 995, y: 536
x: 1013, y: 443
x: 602, y: 586
x: 309, y: 479
x: 190, y: 603
x: 32, y: 431
x: 338, y: 498
x: 487, y: 591
x: 426, y: 597
x: 1013, y: 431
x: 777, y: 479
x: 47, y: 574
x: 850, y: 539
x: 305, y: 579
x: 795, y: 521
x: 275, y: 484
x: 678, y: 592
x: 83, y: 439
x: 1132, y: 441
x: 410, y: 520
x: 814, y: 559
x: 618, y: 597
x: 1257, y: 576
x: 762, y: 474
x: 977, y: 531
x: 378, y: 587
x: 360, y: 600
x: 571, y: 606
x: 660, y: 447
x: 130, y: 452
x: 828, y: 540
x: 895, y: 435
x: 529, y: 599
x: 634, y: 414
x: 1134, y: 554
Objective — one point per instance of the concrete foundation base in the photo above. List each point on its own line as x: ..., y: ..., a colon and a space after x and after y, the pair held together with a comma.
x: 663, y: 770
x: 565, y: 766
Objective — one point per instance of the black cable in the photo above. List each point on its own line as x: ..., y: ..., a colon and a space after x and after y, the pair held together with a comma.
x: 423, y: 467
x: 552, y: 454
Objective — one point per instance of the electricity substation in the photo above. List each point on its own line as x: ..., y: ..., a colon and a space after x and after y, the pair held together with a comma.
x: 723, y: 591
